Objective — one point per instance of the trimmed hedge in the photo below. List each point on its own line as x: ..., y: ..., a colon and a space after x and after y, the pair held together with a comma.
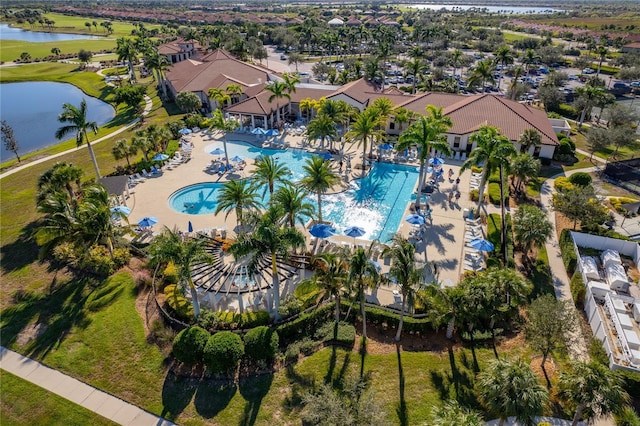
x: 189, y: 344
x: 305, y: 324
x: 578, y: 289
x: 346, y: 334
x: 410, y: 324
x: 226, y: 320
x: 569, y: 257
x: 223, y: 352
x: 261, y: 343
x: 581, y: 179
x: 494, y: 193
x: 178, y: 303
x: 562, y: 184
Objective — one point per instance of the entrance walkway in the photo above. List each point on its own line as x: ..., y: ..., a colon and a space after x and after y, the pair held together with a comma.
x: 86, y: 396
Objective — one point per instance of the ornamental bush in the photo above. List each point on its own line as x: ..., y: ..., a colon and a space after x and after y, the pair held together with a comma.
x: 581, y: 179
x: 261, y: 343
x: 177, y: 302
x: 223, y: 352
x: 189, y: 344
x: 578, y: 290
x: 562, y: 184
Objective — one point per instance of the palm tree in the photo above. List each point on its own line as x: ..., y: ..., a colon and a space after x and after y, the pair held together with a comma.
x: 602, y: 53
x: 94, y: 218
x: 220, y: 96
x: 514, y: 82
x: 219, y: 122
x: 319, y: 178
x: 373, y: 71
x: 589, y: 95
x: 482, y: 73
x: 62, y: 177
x: 235, y: 91
x: 428, y: 134
x: 510, y: 388
x: 415, y: 68
x: 362, y: 275
x: 593, y: 389
x: 531, y: 227
x: 364, y: 130
x: 269, y: 238
x: 454, y: 414
x: 403, y: 270
x: 504, y: 57
x: 78, y: 124
x: 268, y: 172
x: 126, y: 51
x: 123, y: 149
x: 238, y: 195
x: 158, y: 64
x: 456, y: 56
x: 290, y: 81
x: 322, y: 127
x: 170, y: 247
x: 529, y: 58
x: 279, y: 90
x: 523, y: 167
x: 308, y: 105
x: 143, y: 144
x: 492, y: 151
x: 331, y: 274
x: 530, y: 137
x: 401, y: 116
x: 293, y: 200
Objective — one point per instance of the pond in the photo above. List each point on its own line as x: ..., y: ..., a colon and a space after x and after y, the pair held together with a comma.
x: 10, y: 33
x: 32, y: 110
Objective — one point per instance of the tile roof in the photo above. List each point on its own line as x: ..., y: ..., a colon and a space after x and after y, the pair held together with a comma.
x: 206, y: 73
x: 364, y: 92
x: 512, y: 118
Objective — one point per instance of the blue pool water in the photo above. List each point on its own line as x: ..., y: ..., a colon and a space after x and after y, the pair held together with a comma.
x: 201, y: 198
x: 375, y: 203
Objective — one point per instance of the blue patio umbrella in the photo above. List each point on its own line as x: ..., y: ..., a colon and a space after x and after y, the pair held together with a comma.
x: 385, y: 146
x: 190, y: 227
x: 147, y: 221
x: 322, y: 230
x: 237, y: 159
x: 120, y: 209
x: 160, y: 157
x: 217, y: 151
x: 415, y: 219
x: 258, y: 131
x: 481, y: 244
x: 354, y: 231
x: 184, y: 131
x: 326, y: 156
x: 436, y: 161
x: 272, y: 132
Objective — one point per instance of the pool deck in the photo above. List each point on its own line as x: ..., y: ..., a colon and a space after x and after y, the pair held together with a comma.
x: 443, y: 242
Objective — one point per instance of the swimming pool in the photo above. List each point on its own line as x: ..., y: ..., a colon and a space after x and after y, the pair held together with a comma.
x: 376, y: 203
x: 201, y: 198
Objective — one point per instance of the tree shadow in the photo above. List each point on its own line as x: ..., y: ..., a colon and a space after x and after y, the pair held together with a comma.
x: 299, y: 384
x: 21, y: 252
x: 177, y: 393
x: 213, y: 396
x: 253, y: 390
x: 457, y: 384
x: 401, y: 410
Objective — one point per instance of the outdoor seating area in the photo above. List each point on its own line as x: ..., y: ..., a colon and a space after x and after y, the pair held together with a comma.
x: 474, y: 182
x: 474, y: 246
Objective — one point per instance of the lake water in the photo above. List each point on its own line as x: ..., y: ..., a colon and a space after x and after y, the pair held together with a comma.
x: 32, y: 110
x: 506, y: 10
x: 9, y: 33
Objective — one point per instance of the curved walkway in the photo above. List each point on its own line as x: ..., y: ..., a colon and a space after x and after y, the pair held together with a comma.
x: 147, y: 109
x: 86, y: 396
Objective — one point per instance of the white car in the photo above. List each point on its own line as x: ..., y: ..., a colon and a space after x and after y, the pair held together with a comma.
x: 588, y: 71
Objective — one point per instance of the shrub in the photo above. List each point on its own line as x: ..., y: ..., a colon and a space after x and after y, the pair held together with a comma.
x: 617, y: 202
x: 346, y: 334
x: 597, y: 352
x: 581, y: 179
x: 473, y: 195
x: 208, y: 319
x: 562, y: 184
x: 578, y: 290
x: 177, y: 302
x: 627, y: 417
x: 170, y: 274
x: 223, y: 352
x: 494, y: 193
x: 563, y: 149
x: 305, y: 324
x: 476, y: 169
x: 97, y: 260
x: 290, y: 306
x: 189, y: 344
x: 253, y: 319
x: 569, y: 256
x: 261, y: 343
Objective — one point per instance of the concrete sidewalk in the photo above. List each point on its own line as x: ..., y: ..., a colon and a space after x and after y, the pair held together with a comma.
x: 99, y: 402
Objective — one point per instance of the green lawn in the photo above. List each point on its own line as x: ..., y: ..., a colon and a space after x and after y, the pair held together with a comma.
x: 24, y: 403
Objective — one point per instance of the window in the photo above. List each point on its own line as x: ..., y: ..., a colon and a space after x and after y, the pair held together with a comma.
x: 392, y: 125
x: 536, y: 152
x: 456, y: 142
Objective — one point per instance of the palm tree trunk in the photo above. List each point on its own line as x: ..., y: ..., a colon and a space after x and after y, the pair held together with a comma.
x: 194, y: 299
x: 226, y: 154
x: 399, y: 332
x: 420, y: 184
x: 319, y: 207
x: 275, y: 287
x: 578, y: 415
x: 364, y: 155
x: 363, y: 313
x: 450, y: 327
x: 93, y: 157
x: 337, y: 308
x: 483, y: 182
x: 503, y: 222
x: 582, y: 115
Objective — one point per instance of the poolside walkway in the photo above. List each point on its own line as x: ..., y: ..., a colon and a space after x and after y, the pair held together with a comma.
x: 86, y: 396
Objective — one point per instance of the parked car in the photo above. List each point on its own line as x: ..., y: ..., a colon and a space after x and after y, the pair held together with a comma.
x: 588, y: 71
x: 283, y: 57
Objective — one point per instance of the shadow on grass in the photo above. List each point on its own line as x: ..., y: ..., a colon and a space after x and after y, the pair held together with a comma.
x: 458, y: 384
x: 253, y: 390
x: 213, y: 397
x: 299, y: 385
x: 177, y: 393
x: 53, y: 315
x: 403, y: 413
x: 21, y: 252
